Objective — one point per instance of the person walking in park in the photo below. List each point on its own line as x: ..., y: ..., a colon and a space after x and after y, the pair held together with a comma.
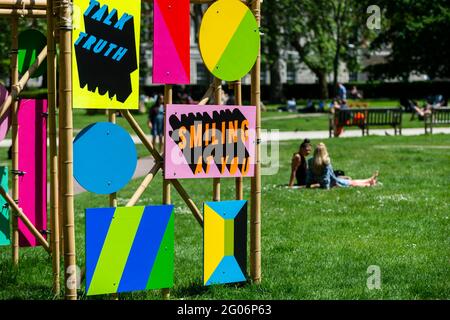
x: 156, y: 121
x: 342, y: 91
x: 299, y: 164
x: 320, y: 171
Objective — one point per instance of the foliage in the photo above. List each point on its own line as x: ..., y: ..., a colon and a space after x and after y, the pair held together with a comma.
x: 417, y: 33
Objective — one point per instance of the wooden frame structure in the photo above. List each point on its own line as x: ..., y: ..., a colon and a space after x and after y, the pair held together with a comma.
x: 62, y: 220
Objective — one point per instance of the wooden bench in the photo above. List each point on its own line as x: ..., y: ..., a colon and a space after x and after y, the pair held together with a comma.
x: 438, y: 116
x: 365, y: 118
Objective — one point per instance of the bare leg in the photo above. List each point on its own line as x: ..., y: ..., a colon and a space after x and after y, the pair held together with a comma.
x: 154, y: 141
x: 365, y: 182
x: 161, y: 144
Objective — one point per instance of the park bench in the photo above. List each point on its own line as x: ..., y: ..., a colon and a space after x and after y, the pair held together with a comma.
x: 365, y: 118
x: 438, y: 116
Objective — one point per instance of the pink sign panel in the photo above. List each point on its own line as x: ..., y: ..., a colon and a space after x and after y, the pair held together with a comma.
x: 171, y: 42
x: 209, y: 141
x: 5, y: 119
x: 32, y: 135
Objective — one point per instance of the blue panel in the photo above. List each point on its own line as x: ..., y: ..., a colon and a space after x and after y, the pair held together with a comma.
x: 228, y: 271
x: 145, y: 248
x: 5, y: 233
x: 97, y: 226
x: 227, y: 209
x: 105, y: 158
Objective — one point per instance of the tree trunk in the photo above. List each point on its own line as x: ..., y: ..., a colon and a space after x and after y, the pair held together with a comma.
x: 323, y: 85
x: 276, y: 87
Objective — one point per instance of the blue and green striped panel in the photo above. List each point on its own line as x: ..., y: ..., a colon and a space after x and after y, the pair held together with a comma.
x: 129, y: 249
x: 5, y: 235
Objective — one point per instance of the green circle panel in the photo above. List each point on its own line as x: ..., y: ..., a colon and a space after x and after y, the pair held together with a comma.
x: 31, y: 43
x: 229, y: 39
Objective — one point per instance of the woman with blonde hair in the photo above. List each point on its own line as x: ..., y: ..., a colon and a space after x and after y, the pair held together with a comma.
x: 321, y: 172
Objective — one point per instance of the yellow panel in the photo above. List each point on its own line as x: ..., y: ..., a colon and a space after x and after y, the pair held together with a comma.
x: 93, y: 100
x: 217, y: 29
x: 214, y: 236
x: 229, y: 237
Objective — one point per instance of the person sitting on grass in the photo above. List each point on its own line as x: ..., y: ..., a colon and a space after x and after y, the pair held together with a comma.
x: 321, y: 174
x: 299, y: 165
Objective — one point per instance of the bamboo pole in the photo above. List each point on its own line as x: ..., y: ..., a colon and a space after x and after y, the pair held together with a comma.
x: 255, y: 214
x: 18, y: 85
x: 239, y: 180
x: 188, y: 200
x: 166, y: 183
x: 112, y: 196
x: 54, y: 190
x: 141, y: 134
x: 145, y: 183
x: 65, y: 144
x: 218, y: 101
x: 25, y: 220
x: 29, y: 13
x: 15, y: 138
x: 158, y: 158
x: 19, y: 4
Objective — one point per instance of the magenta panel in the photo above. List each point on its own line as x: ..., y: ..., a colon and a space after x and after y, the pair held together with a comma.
x: 209, y: 141
x: 32, y: 135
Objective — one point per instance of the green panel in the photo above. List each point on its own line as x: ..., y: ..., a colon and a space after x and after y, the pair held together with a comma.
x: 5, y: 235
x: 229, y: 237
x: 241, y: 53
x: 116, y: 249
x: 31, y: 43
x: 162, y: 272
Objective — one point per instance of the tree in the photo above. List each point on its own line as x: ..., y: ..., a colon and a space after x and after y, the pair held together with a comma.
x: 271, y: 46
x: 319, y: 31
x: 416, y: 32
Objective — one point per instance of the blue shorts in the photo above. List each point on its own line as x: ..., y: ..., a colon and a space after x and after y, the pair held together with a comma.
x: 158, y: 126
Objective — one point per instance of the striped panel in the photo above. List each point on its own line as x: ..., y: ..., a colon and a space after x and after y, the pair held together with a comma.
x: 123, y: 246
x: 225, y: 242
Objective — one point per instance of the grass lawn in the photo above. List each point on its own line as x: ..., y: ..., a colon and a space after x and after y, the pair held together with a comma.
x: 316, y: 244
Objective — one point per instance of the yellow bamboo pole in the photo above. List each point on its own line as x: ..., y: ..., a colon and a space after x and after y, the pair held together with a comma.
x: 239, y: 180
x: 51, y: 96
x: 15, y: 140
x: 25, y: 220
x: 166, y: 183
x: 255, y: 214
x: 145, y: 183
x: 218, y: 101
x: 65, y: 144
x: 112, y: 196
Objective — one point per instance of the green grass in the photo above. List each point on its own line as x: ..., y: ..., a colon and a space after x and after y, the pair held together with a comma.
x: 316, y: 244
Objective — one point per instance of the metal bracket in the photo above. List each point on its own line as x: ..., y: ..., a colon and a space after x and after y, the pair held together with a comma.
x: 18, y: 172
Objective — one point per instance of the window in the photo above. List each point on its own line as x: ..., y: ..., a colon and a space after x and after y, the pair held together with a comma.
x: 202, y: 74
x: 291, y: 72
